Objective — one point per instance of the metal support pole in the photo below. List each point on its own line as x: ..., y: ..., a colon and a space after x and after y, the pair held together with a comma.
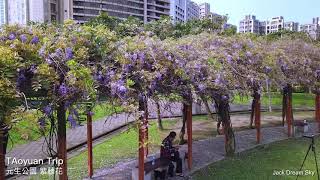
x: 89, y: 143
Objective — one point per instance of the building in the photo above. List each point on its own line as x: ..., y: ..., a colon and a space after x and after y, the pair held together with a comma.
x: 3, y: 12
x: 192, y: 10
x: 145, y: 10
x: 312, y: 29
x: 316, y: 20
x: 204, y: 10
x: 24, y: 11
x: 178, y: 10
x: 291, y: 26
x: 262, y: 27
x: 249, y: 25
x: 274, y: 25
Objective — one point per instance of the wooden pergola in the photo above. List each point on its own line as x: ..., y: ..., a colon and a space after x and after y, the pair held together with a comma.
x: 143, y: 136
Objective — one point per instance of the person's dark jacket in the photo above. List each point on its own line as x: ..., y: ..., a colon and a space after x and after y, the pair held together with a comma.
x: 166, y: 148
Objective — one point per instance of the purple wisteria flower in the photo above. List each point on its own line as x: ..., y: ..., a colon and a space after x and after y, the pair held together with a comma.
x: 72, y: 121
x: 229, y: 59
x: 42, y: 52
x: 317, y: 73
x: 267, y: 69
x: 201, y: 87
x: 225, y: 98
x: 58, y: 53
x: 12, y: 36
x: 23, y: 38
x: 69, y: 53
x: 142, y: 56
x: 47, y: 110
x: 42, y: 122
x: 35, y: 40
x: 21, y: 79
x: 63, y: 90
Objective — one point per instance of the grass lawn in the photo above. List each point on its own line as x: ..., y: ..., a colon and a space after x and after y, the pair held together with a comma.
x: 299, y: 99
x: 28, y: 129
x: 261, y: 162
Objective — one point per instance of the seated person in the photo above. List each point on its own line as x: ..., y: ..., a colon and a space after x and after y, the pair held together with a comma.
x: 170, y: 152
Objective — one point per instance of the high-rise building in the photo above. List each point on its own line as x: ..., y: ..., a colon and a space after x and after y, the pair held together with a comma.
x: 274, y: 25
x: 178, y: 10
x: 204, y: 10
x: 145, y: 10
x: 249, y: 25
x: 192, y: 10
x: 291, y: 26
x: 3, y: 12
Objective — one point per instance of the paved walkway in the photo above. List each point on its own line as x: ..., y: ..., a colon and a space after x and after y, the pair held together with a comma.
x: 76, y: 136
x: 205, y: 152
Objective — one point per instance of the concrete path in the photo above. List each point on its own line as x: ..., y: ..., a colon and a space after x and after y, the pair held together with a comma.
x: 38, y: 149
x: 205, y: 152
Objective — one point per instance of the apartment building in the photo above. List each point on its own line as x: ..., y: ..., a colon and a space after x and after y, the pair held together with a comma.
x: 262, y: 27
x: 192, y: 10
x: 145, y: 10
x: 178, y: 10
x: 275, y: 24
x: 291, y: 26
x: 204, y: 10
x: 249, y: 25
x: 312, y: 29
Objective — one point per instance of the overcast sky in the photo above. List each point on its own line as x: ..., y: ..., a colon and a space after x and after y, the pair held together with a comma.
x: 301, y: 11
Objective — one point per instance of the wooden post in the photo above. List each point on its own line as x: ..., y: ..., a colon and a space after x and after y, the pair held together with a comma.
x: 89, y: 143
x: 289, y: 114
x: 189, y: 132
x: 258, y: 116
x: 62, y: 145
x: 317, y: 110
x: 141, y: 140
x: 145, y: 120
x: 2, y: 157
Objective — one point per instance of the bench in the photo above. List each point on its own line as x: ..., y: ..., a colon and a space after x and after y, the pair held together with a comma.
x: 159, y: 167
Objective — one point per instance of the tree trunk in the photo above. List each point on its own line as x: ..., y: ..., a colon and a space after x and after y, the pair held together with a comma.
x: 216, y: 106
x: 206, y: 104
x: 159, y: 116
x: 284, y: 105
x: 3, y: 149
x: 183, y: 128
x: 223, y: 111
x: 252, y: 111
